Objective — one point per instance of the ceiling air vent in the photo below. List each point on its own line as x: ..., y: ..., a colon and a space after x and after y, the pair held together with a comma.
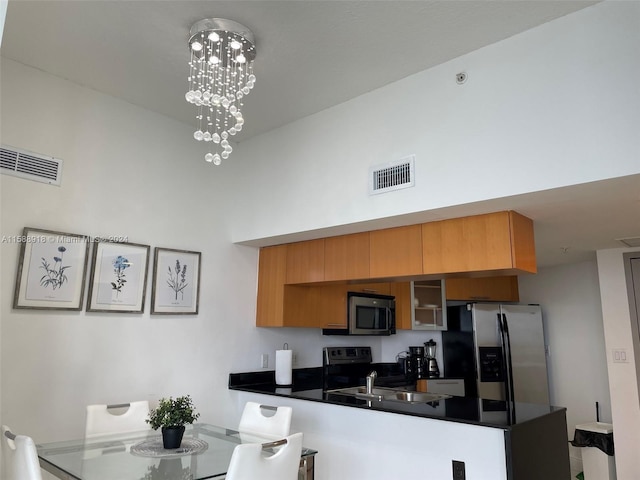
x: 391, y: 176
x: 630, y: 241
x: 30, y: 166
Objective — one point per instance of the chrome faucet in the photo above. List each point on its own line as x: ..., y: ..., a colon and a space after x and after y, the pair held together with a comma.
x: 370, y: 380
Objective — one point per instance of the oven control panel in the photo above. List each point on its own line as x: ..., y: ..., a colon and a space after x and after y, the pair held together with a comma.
x: 346, y: 355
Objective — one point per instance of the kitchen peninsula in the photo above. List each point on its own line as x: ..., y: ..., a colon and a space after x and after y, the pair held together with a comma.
x: 497, y: 440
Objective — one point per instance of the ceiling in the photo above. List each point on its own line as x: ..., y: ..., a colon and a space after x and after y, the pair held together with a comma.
x: 137, y: 50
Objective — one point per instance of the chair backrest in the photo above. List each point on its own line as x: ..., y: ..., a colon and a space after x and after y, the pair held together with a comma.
x: 253, y: 420
x: 248, y: 462
x: 20, y: 456
x: 101, y: 420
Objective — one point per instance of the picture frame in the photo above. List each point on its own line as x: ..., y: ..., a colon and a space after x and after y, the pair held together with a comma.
x: 175, y: 289
x: 118, y: 277
x: 51, y: 269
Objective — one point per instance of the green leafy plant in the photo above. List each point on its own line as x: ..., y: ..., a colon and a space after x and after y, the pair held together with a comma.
x: 173, y: 413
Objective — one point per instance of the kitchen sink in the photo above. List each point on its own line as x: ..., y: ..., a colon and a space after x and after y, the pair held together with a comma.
x: 417, y: 397
x: 391, y: 394
x: 377, y: 393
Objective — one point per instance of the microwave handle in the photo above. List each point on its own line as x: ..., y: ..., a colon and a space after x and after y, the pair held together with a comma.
x: 389, y: 313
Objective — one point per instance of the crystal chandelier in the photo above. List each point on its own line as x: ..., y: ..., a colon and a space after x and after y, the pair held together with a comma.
x: 220, y: 76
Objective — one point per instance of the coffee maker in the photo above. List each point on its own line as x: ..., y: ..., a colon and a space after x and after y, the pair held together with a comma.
x: 415, y: 363
x: 430, y: 362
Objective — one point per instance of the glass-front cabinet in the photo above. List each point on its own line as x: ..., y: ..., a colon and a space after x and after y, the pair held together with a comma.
x: 428, y: 302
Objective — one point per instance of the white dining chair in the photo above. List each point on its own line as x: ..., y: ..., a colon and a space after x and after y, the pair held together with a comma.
x: 103, y: 419
x: 265, y: 420
x: 249, y: 463
x: 20, y: 456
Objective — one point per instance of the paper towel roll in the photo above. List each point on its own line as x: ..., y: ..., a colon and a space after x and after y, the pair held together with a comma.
x: 284, y: 360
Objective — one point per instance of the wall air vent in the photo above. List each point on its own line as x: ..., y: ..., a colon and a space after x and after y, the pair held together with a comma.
x: 391, y: 176
x: 30, y: 166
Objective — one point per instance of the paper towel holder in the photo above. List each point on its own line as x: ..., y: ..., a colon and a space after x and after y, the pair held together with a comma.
x: 283, y: 373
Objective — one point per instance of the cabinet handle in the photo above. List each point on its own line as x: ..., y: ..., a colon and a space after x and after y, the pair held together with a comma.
x: 369, y: 290
x: 336, y: 325
x: 480, y: 298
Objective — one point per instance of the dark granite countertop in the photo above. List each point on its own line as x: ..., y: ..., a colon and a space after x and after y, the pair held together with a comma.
x: 469, y: 410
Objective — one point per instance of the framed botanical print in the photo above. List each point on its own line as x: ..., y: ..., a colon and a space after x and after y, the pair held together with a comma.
x: 51, y: 269
x: 118, y: 277
x: 176, y: 282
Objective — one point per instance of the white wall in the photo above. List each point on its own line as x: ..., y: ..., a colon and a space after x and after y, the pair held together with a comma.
x: 555, y: 106
x: 126, y: 172
x: 572, y: 315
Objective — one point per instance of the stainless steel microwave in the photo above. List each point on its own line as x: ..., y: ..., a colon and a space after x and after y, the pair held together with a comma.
x: 368, y: 314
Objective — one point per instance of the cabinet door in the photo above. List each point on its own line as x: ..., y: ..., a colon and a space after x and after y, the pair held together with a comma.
x: 495, y: 289
x: 428, y: 302
x: 501, y: 241
x: 395, y: 252
x: 332, y: 307
x: 346, y: 257
x: 314, y: 306
x: 305, y: 262
x: 271, y: 277
x: 404, y: 307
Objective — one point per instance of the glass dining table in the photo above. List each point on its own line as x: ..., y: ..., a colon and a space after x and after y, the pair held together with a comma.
x: 205, y: 453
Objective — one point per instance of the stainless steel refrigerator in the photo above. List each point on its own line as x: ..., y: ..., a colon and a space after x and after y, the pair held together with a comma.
x: 499, y: 350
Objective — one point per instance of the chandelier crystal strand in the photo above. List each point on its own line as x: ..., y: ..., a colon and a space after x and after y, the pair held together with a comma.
x: 220, y: 76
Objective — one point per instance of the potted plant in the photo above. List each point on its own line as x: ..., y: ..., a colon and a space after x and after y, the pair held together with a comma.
x: 172, y: 415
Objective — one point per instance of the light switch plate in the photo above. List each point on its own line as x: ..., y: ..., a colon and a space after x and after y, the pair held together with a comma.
x: 620, y: 355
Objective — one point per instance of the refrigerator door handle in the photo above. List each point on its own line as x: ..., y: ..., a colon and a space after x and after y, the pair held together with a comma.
x: 507, y: 354
x: 503, y: 344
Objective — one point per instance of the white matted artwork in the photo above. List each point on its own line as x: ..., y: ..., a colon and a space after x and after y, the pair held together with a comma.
x: 176, y: 282
x: 51, y: 270
x: 118, y: 277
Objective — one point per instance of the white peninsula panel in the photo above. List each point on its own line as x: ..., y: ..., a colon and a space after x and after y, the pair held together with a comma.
x: 358, y: 443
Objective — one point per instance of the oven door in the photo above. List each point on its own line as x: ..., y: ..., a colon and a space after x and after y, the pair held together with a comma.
x: 371, y: 314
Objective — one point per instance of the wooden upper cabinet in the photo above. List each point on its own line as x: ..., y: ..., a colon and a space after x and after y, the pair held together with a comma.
x: 402, y: 292
x: 346, y: 257
x: 331, y: 306
x: 302, y: 306
x: 305, y: 262
x: 272, y: 267
x: 395, y: 252
x: 523, y: 246
x: 494, y: 289
x: 501, y: 242
x: 290, y: 276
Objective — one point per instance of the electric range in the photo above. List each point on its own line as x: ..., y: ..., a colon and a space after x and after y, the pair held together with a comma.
x: 348, y: 367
